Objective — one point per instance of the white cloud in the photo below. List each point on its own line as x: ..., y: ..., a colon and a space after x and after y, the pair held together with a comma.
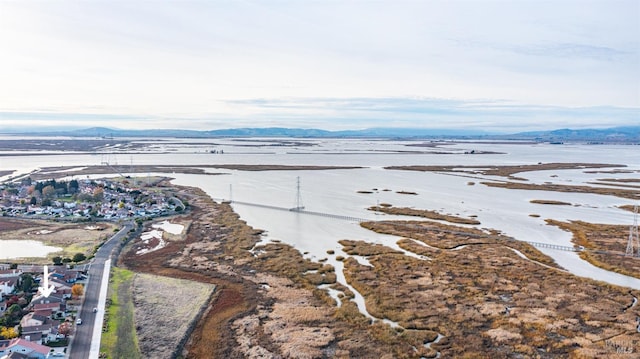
x: 157, y: 59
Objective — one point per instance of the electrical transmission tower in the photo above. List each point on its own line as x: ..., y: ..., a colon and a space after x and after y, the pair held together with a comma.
x: 299, y: 205
x: 634, y: 241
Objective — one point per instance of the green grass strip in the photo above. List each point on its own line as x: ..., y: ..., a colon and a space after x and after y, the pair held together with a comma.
x: 120, y: 340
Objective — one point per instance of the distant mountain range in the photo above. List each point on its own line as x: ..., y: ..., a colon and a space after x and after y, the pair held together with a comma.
x: 614, y: 134
x: 261, y: 132
x: 629, y: 134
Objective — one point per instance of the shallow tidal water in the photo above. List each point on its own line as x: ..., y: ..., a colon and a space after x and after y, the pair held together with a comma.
x: 336, y: 191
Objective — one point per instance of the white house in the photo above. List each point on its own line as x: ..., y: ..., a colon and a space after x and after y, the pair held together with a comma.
x: 7, y: 285
x: 29, y: 349
x: 10, y: 273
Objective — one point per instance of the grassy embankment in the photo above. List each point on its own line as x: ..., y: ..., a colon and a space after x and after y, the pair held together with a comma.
x: 119, y: 333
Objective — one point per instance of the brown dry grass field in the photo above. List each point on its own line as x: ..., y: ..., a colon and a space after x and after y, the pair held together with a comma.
x: 596, y: 238
x: 504, y: 171
x: 620, y: 180
x: 164, y: 308
x: 490, y: 302
x: 618, y: 192
x: 474, y: 289
x: 444, y: 236
x: 71, y: 237
x: 404, y: 211
x: 274, y: 292
x: 509, y: 171
x: 627, y: 207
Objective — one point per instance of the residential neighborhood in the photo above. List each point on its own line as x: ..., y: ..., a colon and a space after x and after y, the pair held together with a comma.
x: 32, y: 325
x: 85, y: 199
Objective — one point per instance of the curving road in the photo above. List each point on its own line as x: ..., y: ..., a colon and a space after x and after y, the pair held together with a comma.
x: 81, y: 343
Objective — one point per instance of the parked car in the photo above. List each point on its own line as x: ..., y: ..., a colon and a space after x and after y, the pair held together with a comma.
x: 78, y: 321
x: 95, y: 310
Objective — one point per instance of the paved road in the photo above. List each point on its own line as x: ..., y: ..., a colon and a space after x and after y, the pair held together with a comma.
x: 81, y: 343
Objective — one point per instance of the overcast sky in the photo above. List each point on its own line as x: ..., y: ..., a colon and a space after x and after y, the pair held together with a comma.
x: 492, y: 65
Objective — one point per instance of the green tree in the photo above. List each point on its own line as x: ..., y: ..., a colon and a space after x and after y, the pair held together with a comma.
x: 79, y: 257
x: 73, y: 186
x: 26, y: 282
x: 33, y: 201
x: 14, y: 311
x: 57, y: 261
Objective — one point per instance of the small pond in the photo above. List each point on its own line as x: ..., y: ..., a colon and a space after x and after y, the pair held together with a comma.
x: 11, y: 249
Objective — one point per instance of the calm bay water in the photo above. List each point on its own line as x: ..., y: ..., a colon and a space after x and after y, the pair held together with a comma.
x: 335, y: 191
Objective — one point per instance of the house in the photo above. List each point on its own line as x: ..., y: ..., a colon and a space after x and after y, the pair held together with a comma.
x: 43, y: 313
x: 30, y: 268
x: 15, y: 356
x: 60, y: 286
x: 33, y: 337
x: 41, y: 333
x: 29, y: 349
x: 52, y: 298
x: 68, y: 276
x: 70, y: 205
x: 32, y: 319
x: 6, y: 273
x: 53, y: 307
x: 8, y: 285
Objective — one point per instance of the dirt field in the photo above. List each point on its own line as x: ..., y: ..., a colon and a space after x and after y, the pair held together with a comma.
x: 162, y: 315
